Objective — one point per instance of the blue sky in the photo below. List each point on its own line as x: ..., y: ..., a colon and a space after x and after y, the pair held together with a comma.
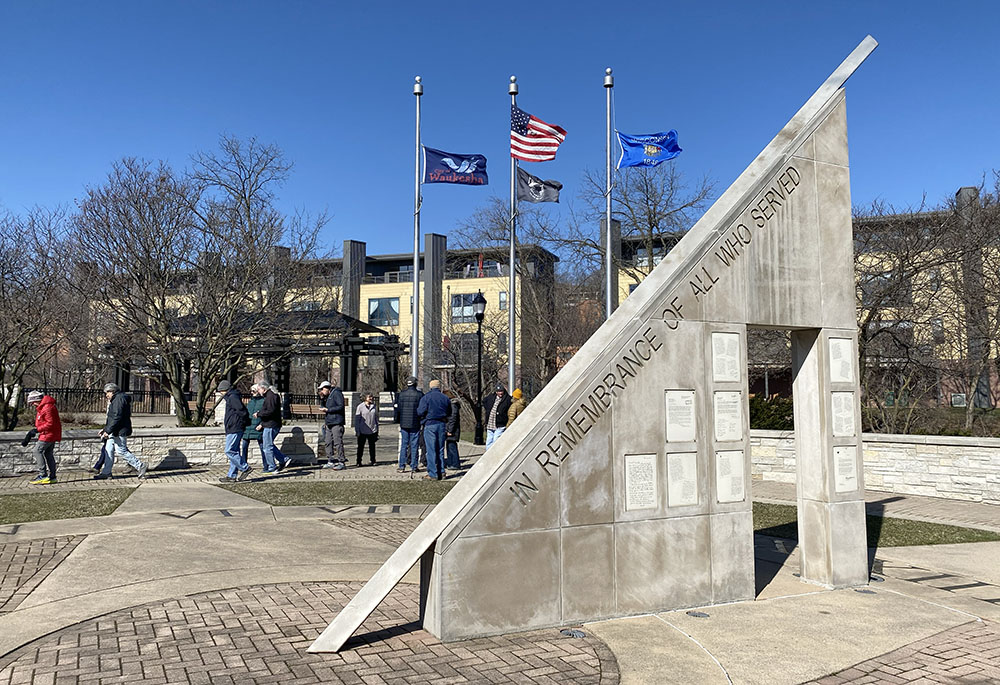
x: 83, y: 84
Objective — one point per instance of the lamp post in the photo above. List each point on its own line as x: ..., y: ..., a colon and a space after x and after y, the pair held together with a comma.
x: 479, y: 307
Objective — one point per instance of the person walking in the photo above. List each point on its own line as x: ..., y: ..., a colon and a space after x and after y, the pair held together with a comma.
x: 252, y: 434
x: 269, y: 423
x: 409, y: 424
x: 366, y: 427
x: 452, y: 432
x: 236, y: 419
x: 117, y: 429
x: 332, y: 402
x: 496, y: 407
x: 517, y: 405
x: 48, y: 428
x: 433, y: 410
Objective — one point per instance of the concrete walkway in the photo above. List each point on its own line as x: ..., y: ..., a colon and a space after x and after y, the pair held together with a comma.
x: 187, y: 582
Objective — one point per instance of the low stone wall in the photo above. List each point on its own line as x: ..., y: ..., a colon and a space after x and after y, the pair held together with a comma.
x: 933, y: 465
x: 161, y: 447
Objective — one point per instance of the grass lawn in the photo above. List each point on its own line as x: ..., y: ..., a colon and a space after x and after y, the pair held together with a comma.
x: 344, y: 492
x: 71, y: 504
x: 778, y: 520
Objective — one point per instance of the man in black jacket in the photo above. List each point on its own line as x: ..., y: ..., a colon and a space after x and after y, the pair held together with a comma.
x: 495, y: 409
x: 116, y: 429
x: 269, y: 424
x: 332, y: 401
x: 409, y: 424
x: 236, y: 419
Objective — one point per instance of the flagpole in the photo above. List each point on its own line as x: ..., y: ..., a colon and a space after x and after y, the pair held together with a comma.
x: 609, y: 282
x: 418, y: 90
x: 511, y: 293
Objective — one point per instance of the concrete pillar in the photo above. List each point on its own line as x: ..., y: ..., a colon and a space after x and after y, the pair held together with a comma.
x: 431, y: 304
x: 352, y: 274
x: 831, y: 506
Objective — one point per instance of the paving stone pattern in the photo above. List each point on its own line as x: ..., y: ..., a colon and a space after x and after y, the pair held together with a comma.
x: 23, y: 565
x: 260, y: 634
x: 967, y: 654
x: 390, y: 531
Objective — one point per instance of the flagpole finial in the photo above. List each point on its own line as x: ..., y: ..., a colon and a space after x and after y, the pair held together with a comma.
x: 512, y: 89
x: 609, y: 80
x: 418, y: 87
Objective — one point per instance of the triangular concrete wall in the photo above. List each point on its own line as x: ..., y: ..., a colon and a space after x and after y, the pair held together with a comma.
x: 596, y: 503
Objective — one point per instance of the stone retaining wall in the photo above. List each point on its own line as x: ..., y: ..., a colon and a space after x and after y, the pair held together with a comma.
x: 161, y: 447
x: 933, y: 465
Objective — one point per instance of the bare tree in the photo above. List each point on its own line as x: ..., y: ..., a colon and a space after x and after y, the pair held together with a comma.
x: 186, y: 271
x: 654, y: 205
x: 34, y: 313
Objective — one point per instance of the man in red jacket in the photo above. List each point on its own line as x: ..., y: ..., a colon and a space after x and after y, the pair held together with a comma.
x: 49, y: 431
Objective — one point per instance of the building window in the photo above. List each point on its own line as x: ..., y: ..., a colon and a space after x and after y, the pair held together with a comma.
x: 306, y: 306
x: 503, y: 300
x: 937, y: 331
x: 632, y: 287
x: 461, y: 309
x: 383, y: 311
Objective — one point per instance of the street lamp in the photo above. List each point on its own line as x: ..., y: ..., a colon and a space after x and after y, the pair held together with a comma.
x: 479, y: 308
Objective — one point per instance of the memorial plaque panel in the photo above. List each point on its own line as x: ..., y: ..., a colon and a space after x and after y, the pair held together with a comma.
x: 841, y: 360
x: 845, y: 468
x: 843, y: 414
x: 682, y: 479
x: 728, y: 416
x: 726, y: 357
x: 729, y: 476
x: 680, y: 416
x: 640, y: 481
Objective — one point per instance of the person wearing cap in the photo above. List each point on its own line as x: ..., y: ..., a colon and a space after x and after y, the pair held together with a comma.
x: 269, y: 423
x: 517, y: 405
x: 331, y: 401
x: 48, y: 428
x: 407, y: 404
x: 366, y: 427
x: 251, y: 433
x: 235, y: 420
x: 433, y: 410
x: 116, y: 429
x: 496, y: 407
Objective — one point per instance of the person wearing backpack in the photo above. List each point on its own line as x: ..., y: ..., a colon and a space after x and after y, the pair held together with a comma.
x: 236, y: 419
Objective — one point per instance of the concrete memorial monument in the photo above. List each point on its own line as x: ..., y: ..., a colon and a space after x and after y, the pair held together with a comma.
x: 623, y: 488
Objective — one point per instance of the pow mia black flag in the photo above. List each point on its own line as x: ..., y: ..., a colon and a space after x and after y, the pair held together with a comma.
x: 533, y: 189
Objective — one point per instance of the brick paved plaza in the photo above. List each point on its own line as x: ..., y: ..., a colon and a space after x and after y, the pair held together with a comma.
x: 189, y: 583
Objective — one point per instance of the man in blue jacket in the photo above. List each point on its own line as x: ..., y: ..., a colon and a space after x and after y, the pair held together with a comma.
x: 235, y: 420
x: 332, y: 401
x: 434, y: 410
x: 409, y: 425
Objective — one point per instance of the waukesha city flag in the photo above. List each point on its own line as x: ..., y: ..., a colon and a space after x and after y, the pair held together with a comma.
x: 647, y: 150
x: 447, y: 167
x: 533, y: 189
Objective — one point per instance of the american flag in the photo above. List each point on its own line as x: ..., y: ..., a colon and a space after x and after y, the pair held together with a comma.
x: 531, y: 139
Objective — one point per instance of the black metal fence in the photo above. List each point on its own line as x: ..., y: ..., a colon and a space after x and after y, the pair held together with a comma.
x: 81, y: 400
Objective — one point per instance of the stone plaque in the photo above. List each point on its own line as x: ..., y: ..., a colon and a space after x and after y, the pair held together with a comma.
x: 640, y: 481
x: 726, y: 357
x: 680, y: 416
x: 729, y: 476
x: 728, y: 416
x: 843, y: 414
x: 845, y: 468
x: 841, y: 360
x: 682, y: 479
